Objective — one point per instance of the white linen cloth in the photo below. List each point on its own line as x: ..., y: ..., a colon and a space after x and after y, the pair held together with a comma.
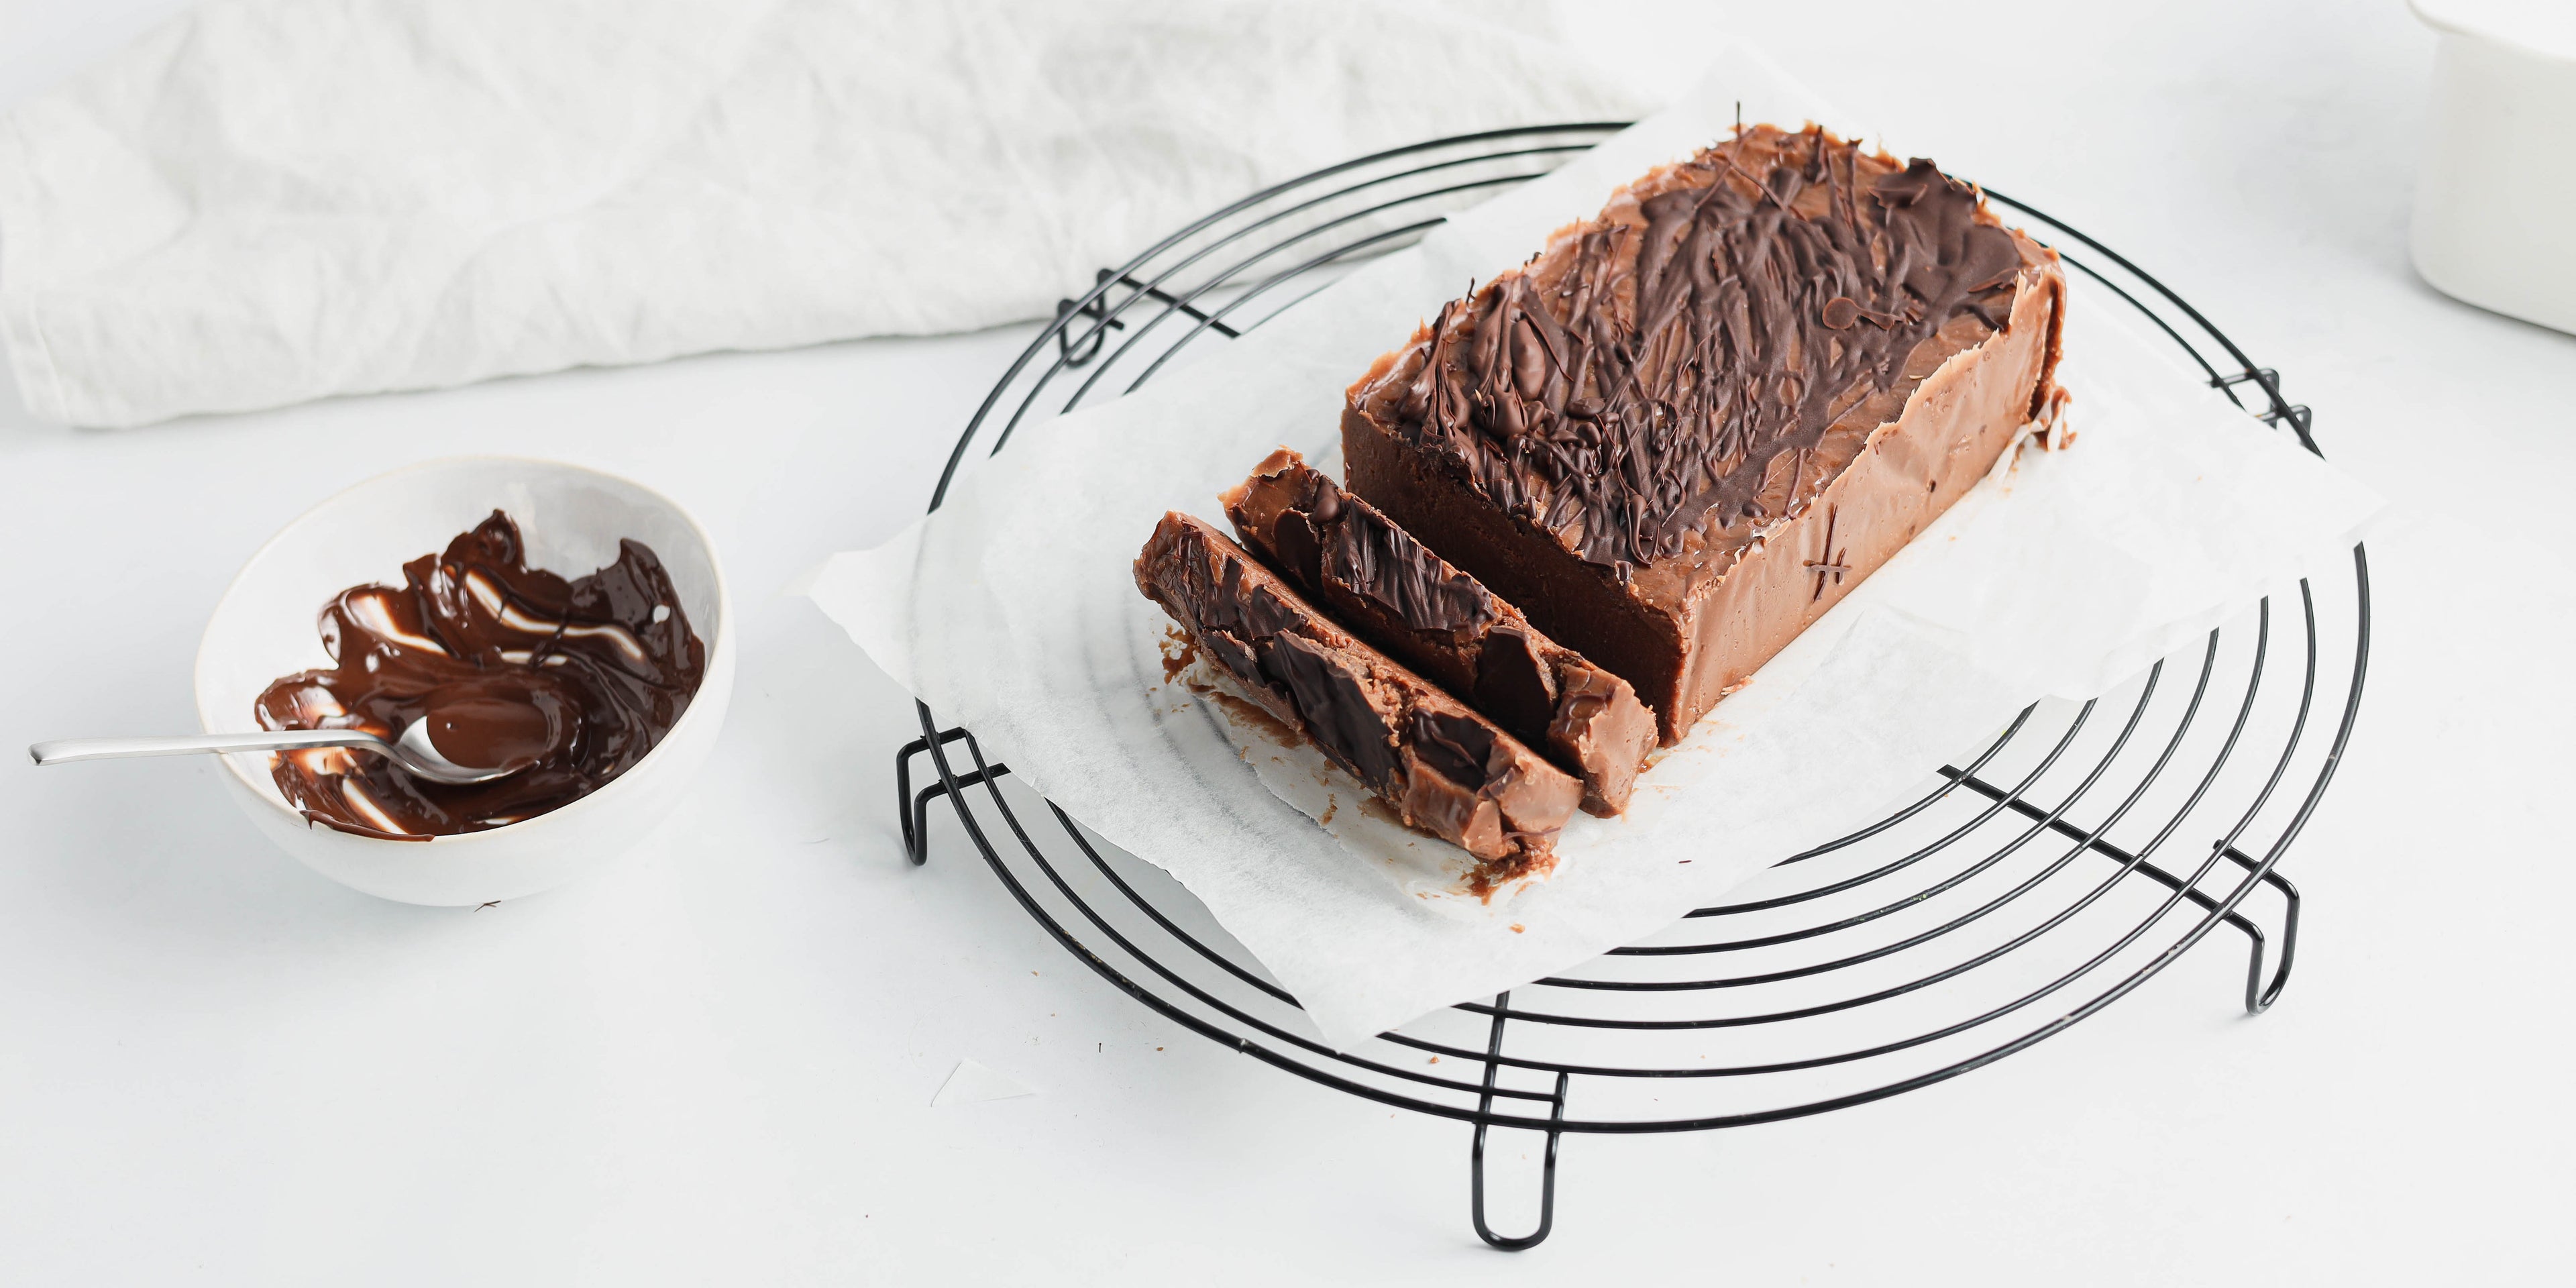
x: 1012, y: 611
x: 269, y: 201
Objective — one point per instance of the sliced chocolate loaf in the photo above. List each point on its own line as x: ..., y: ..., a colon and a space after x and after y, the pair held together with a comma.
x: 1398, y: 595
x: 1689, y: 426
x: 1444, y: 768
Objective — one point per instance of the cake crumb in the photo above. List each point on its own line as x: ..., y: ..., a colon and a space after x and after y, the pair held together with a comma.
x: 1179, y: 650
x: 2053, y: 434
x: 1491, y: 875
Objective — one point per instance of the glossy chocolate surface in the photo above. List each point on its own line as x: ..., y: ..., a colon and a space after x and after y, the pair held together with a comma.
x: 1633, y: 389
x: 568, y: 683
x: 1689, y: 426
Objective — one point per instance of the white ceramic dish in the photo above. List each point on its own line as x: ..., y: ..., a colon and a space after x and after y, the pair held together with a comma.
x: 2493, y: 200
x: 571, y: 519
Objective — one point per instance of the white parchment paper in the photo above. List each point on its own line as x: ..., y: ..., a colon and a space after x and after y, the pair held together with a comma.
x: 1012, y: 611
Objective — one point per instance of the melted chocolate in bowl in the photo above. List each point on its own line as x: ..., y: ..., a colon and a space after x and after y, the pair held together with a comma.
x: 566, y: 682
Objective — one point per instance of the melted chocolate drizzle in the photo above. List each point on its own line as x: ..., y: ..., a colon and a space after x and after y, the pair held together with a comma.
x: 575, y: 680
x: 1647, y: 393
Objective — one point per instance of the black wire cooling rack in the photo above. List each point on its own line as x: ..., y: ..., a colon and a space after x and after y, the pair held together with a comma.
x: 2057, y: 869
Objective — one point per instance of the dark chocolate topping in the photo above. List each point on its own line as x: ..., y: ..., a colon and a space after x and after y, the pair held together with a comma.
x: 1384, y: 564
x: 1777, y: 282
x: 1318, y: 539
x: 571, y: 682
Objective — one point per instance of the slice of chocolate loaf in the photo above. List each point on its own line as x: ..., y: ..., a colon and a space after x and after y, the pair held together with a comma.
x: 1398, y: 595
x: 1445, y: 769
x: 1689, y: 426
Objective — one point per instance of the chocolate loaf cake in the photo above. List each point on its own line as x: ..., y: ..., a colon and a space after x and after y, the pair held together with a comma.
x: 1396, y: 594
x: 1445, y: 769
x: 1689, y: 426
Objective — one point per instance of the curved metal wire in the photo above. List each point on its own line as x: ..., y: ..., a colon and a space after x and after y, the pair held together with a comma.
x: 1218, y: 274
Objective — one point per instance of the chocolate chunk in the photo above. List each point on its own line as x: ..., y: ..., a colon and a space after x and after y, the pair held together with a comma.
x: 1512, y: 683
x: 1231, y: 654
x: 1444, y: 768
x: 1628, y: 436
x: 1299, y: 553
x: 1330, y: 697
x: 1442, y: 622
x: 1457, y: 746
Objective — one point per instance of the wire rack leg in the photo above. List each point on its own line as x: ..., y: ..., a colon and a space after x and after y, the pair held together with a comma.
x: 912, y: 809
x: 2258, y: 996
x: 1476, y: 1154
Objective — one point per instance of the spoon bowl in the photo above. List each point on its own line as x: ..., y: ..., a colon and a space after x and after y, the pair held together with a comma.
x: 415, y: 752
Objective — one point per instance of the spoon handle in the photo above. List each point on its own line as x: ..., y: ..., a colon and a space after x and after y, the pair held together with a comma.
x: 65, y: 750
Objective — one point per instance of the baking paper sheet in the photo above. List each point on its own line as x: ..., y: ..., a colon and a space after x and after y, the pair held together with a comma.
x: 1012, y: 611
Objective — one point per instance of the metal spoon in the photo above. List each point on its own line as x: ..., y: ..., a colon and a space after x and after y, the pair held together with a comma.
x: 413, y: 751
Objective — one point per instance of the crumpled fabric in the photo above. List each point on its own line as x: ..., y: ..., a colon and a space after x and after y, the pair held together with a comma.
x: 270, y: 201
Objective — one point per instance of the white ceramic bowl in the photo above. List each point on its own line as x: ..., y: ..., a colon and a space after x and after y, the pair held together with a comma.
x: 571, y: 519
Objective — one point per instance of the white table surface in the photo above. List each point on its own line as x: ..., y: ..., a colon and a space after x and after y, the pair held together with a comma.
x: 716, y: 1063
